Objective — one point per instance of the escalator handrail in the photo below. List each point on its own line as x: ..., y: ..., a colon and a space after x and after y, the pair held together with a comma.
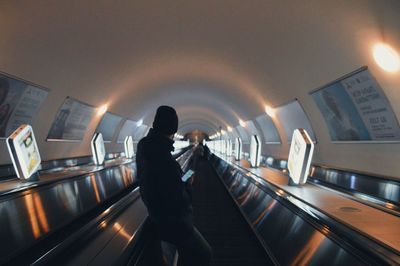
x: 95, y: 224
x: 341, y: 233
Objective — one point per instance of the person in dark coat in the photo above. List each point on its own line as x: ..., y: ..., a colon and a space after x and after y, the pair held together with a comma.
x: 166, y: 196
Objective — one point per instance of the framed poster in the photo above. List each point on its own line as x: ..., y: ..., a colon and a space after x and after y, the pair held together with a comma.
x: 355, y: 109
x: 108, y: 125
x: 71, y: 121
x: 128, y: 129
x: 244, y: 136
x: 140, y: 132
x: 292, y: 116
x: 19, y: 103
x: 269, y: 130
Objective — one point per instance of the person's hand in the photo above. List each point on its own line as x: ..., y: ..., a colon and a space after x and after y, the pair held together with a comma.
x: 191, y: 180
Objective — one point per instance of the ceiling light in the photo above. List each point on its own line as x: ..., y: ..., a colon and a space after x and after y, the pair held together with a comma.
x: 139, y: 123
x: 102, y: 110
x: 386, y: 57
x: 241, y: 123
x: 229, y: 129
x: 269, y: 111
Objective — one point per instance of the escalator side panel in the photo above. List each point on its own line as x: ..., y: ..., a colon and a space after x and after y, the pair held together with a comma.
x: 287, y: 236
x: 110, y: 240
x: 32, y: 215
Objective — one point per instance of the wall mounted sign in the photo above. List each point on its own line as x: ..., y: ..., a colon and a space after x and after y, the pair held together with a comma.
x: 71, y: 121
x: 292, y: 116
x: 19, y: 103
x: 108, y: 125
x: 355, y: 108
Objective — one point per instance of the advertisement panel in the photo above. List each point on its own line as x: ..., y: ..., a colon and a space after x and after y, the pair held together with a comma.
x: 292, y: 116
x: 19, y: 103
x: 71, y: 121
x: 24, y: 151
x: 108, y: 125
x: 355, y: 108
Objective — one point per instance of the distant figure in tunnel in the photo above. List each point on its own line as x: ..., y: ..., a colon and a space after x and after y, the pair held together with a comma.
x: 166, y: 196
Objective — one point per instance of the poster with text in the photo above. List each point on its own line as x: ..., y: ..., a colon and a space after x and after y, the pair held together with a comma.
x: 355, y: 108
x: 71, y: 121
x: 19, y: 103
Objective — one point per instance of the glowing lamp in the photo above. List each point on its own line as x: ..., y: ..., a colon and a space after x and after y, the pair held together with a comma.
x: 102, y: 110
x: 386, y: 57
x: 269, y: 111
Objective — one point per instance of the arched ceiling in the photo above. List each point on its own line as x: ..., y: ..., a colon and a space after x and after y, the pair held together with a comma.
x: 215, y: 61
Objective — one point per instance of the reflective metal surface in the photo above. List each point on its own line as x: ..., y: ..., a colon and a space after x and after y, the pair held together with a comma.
x: 294, y: 232
x: 110, y: 239
x: 31, y: 215
x: 379, y: 191
x: 7, y: 171
x: 28, y: 217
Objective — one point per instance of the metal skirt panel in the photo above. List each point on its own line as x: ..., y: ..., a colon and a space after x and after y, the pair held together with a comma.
x: 30, y: 216
x: 289, y: 238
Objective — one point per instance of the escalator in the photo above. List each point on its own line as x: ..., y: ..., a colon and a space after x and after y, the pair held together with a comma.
x: 295, y: 232
x: 245, y: 220
x: 221, y: 223
x: 44, y: 219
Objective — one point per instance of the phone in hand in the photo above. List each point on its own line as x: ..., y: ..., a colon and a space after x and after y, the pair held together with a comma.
x: 187, y: 175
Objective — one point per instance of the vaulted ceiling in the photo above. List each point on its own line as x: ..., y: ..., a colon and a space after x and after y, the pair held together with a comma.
x: 215, y: 61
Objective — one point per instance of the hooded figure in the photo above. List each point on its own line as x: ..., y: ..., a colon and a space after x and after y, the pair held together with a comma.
x: 166, y: 196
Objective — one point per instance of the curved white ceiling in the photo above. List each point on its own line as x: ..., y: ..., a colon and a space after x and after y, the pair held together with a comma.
x: 215, y: 61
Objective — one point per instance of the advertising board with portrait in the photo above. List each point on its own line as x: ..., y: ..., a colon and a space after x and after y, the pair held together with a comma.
x: 355, y: 108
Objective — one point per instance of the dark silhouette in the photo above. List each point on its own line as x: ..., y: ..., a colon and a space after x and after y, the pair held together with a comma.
x: 167, y: 198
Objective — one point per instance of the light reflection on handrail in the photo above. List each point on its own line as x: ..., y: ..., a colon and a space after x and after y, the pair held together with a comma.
x: 96, y: 190
x: 120, y: 230
x: 307, y: 253
x: 41, y: 213
x: 32, y: 215
x: 264, y: 212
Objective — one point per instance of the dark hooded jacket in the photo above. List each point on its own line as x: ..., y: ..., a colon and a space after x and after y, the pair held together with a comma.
x: 166, y: 197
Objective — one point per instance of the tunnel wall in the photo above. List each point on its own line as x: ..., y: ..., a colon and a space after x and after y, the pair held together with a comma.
x: 325, y: 40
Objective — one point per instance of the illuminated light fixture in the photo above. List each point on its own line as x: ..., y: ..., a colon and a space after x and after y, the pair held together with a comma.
x: 223, y: 132
x: 218, y: 134
x: 269, y: 111
x: 255, y: 151
x: 238, y: 149
x: 300, y: 157
x: 386, y: 57
x: 242, y: 123
x: 102, y: 110
x: 229, y: 129
x: 139, y: 123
